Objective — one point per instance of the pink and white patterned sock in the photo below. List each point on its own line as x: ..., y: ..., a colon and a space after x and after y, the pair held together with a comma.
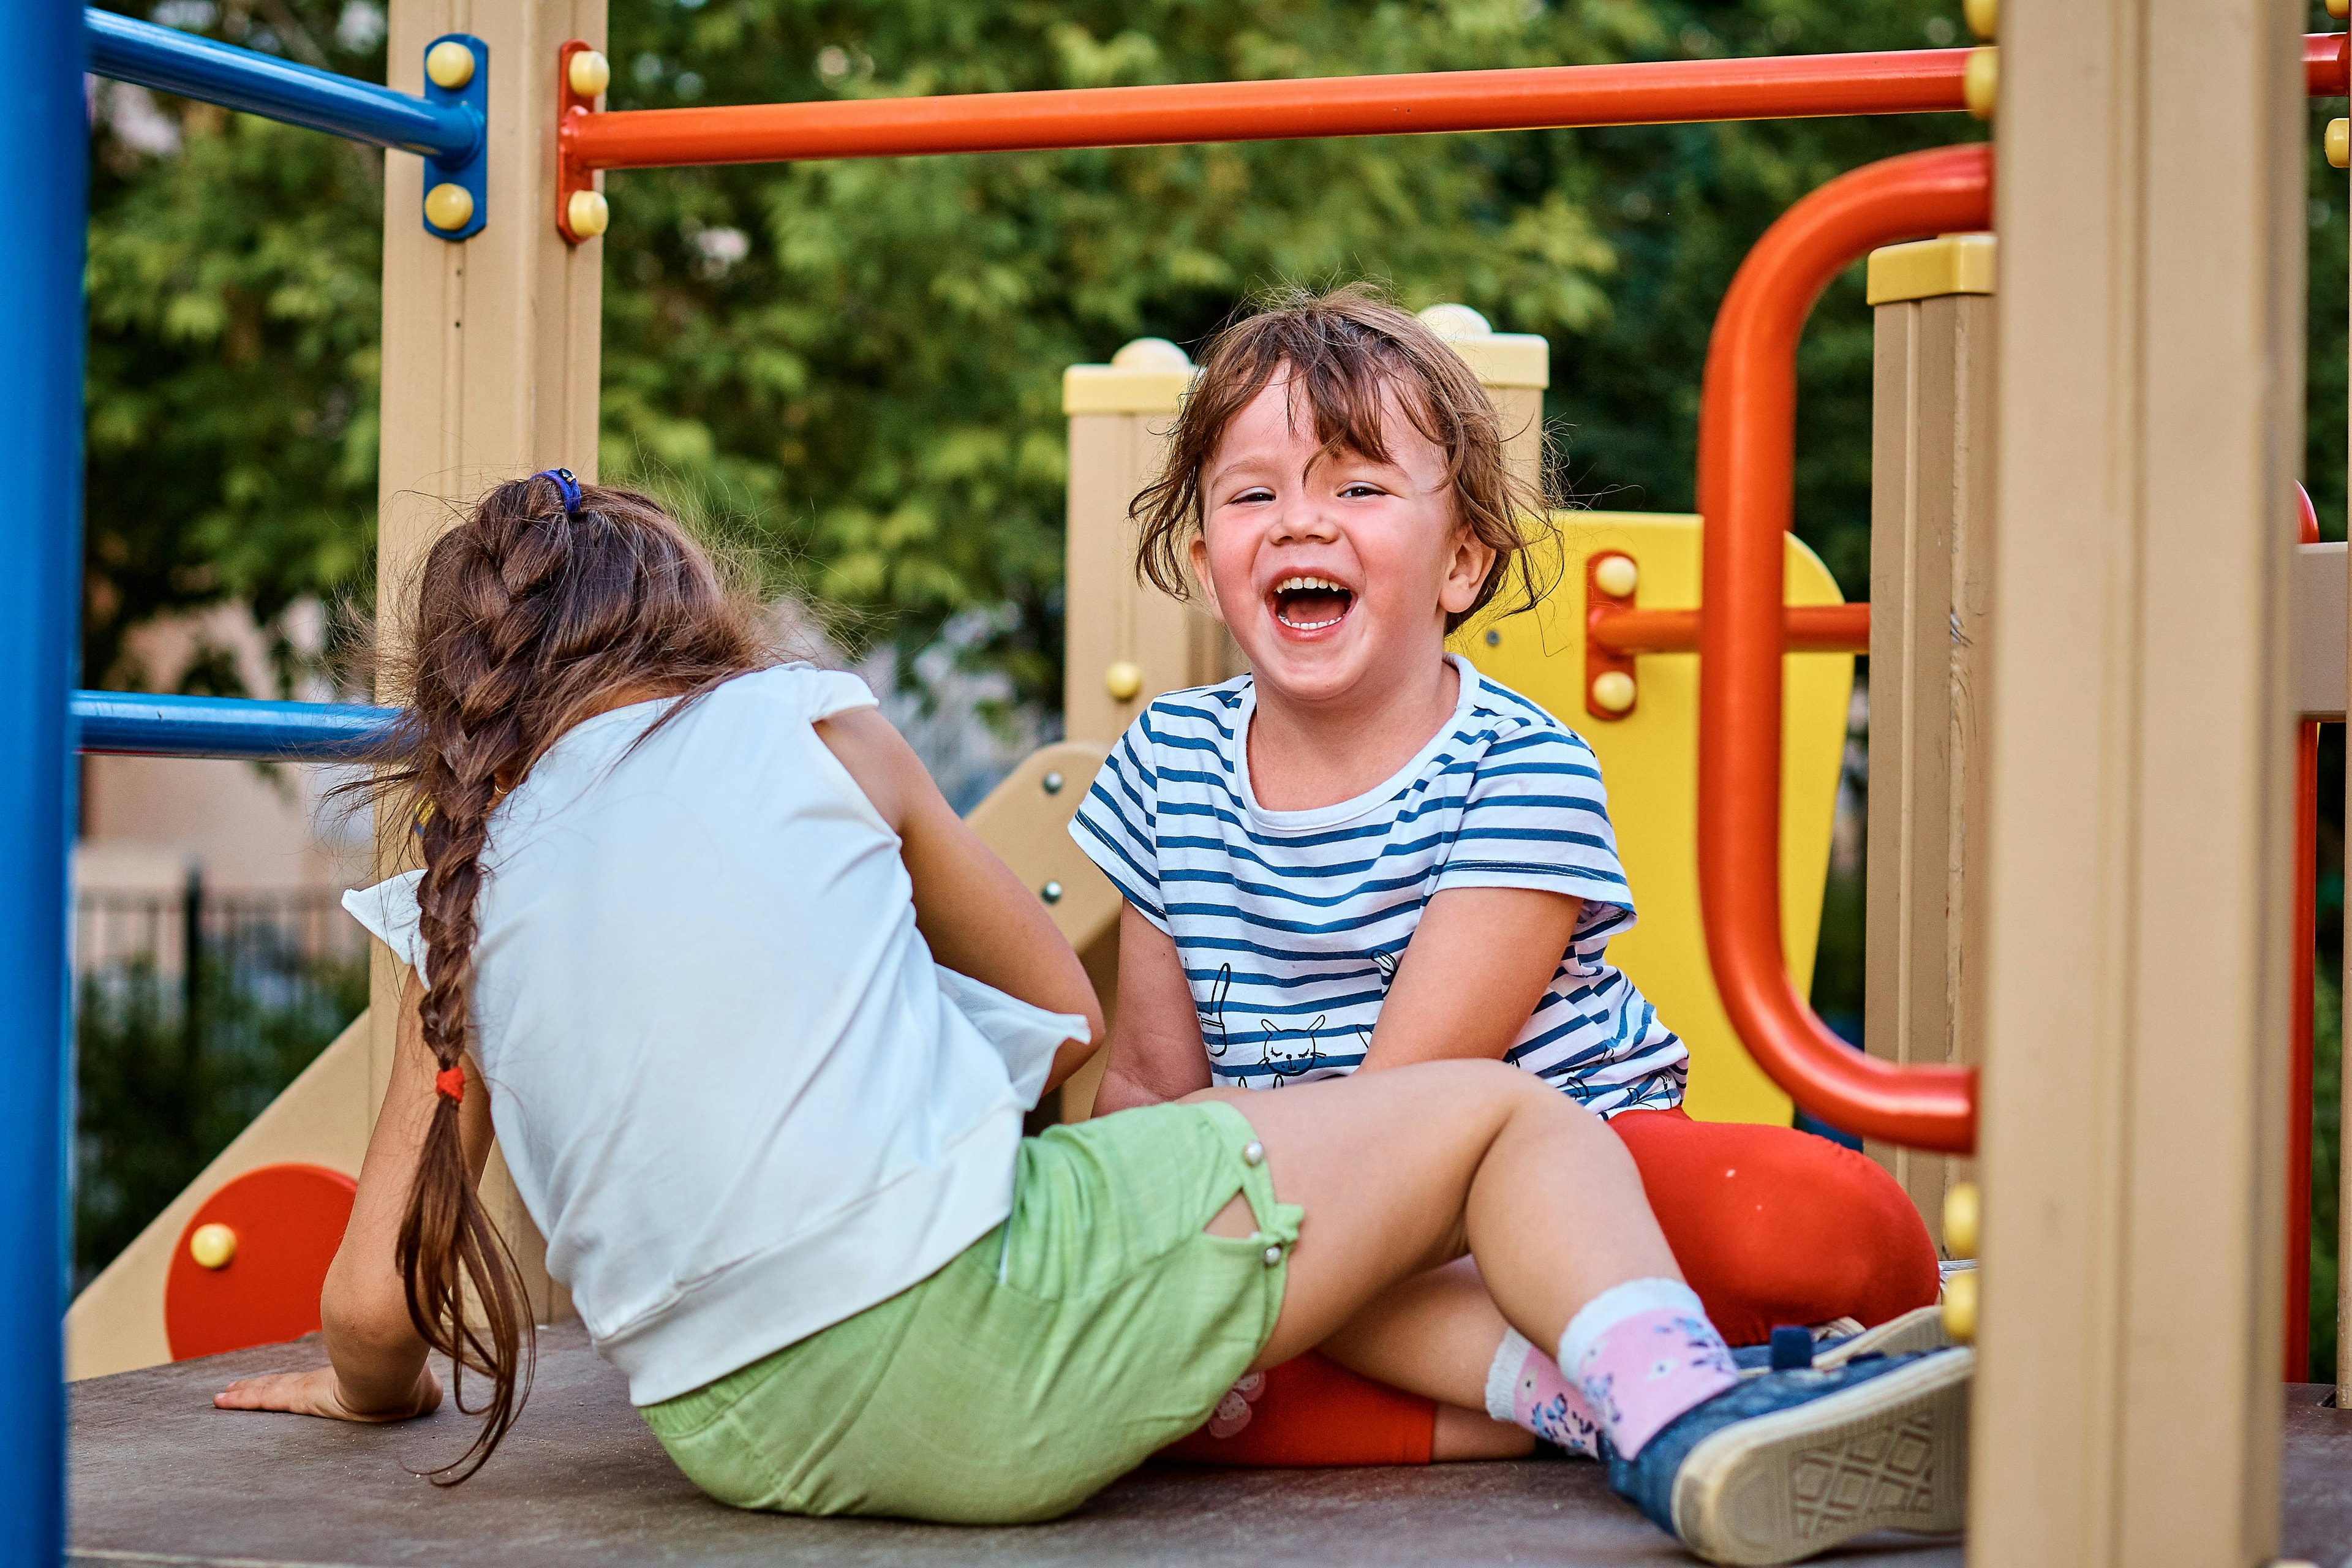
x: 1524, y: 1387
x: 1643, y: 1352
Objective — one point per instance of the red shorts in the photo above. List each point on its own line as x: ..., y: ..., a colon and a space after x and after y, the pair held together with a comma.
x: 1771, y: 1225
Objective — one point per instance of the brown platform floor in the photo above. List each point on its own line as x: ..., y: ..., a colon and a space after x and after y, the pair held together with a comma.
x: 159, y: 1477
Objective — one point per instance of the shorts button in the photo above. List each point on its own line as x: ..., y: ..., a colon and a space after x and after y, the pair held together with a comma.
x: 1252, y: 1154
x: 1273, y: 1256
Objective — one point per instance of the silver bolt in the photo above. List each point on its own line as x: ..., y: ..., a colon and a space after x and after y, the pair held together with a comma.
x: 1273, y: 1256
x: 1494, y: 639
x: 1053, y: 783
x: 1050, y: 892
x: 1252, y: 1154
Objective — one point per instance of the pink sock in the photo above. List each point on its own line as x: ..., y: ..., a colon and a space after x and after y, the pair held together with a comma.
x: 1643, y: 1352
x: 1524, y: 1386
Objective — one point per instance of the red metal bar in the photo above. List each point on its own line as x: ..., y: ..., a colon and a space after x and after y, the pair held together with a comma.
x: 1806, y: 628
x: 1746, y: 465
x: 2299, y: 1023
x: 1910, y: 82
x: 2326, y: 64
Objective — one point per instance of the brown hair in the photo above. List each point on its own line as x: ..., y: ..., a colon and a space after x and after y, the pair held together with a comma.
x: 1342, y: 352
x: 528, y: 620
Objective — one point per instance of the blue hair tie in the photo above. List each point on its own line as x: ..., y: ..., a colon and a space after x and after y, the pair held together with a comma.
x: 567, y: 484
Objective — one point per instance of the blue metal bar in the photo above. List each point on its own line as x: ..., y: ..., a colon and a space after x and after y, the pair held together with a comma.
x: 134, y: 723
x: 192, y: 66
x: 44, y: 169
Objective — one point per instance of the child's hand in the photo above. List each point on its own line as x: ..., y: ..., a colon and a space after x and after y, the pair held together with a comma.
x: 316, y: 1392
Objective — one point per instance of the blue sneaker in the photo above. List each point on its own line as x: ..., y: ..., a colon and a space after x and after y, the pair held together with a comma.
x: 1921, y: 1329
x: 1792, y: 1463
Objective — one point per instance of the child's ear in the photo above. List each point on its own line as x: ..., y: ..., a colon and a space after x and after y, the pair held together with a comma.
x: 1197, y: 552
x: 1465, y: 572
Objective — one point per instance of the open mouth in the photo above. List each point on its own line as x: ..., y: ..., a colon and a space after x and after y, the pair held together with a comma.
x: 1311, y: 604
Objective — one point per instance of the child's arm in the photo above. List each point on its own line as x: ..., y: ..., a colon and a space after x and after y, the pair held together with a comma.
x: 1155, y: 1044
x: 1478, y: 962
x: 377, y: 1370
x: 977, y: 916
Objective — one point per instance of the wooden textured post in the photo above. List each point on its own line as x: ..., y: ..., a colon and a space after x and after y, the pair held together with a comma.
x: 1931, y: 509
x: 490, y: 351
x: 2140, y: 742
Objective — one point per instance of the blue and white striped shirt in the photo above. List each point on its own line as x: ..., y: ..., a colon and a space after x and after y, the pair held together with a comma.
x: 1290, y: 924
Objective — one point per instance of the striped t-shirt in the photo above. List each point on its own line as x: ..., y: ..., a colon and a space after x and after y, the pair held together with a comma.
x: 1289, y: 924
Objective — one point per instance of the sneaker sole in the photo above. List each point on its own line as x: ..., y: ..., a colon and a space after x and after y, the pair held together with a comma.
x: 1921, y: 1329
x: 1888, y: 1454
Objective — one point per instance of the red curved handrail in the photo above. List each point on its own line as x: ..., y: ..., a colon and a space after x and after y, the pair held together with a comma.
x: 1747, y: 462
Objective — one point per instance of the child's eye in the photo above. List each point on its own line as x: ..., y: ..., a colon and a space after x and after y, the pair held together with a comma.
x: 1255, y: 493
x: 1360, y: 489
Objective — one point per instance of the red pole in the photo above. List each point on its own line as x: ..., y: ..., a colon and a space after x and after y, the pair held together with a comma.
x: 1747, y: 463
x: 1780, y: 87
x: 2299, y: 1025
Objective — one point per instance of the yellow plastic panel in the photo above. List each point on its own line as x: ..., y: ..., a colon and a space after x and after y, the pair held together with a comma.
x: 1650, y: 762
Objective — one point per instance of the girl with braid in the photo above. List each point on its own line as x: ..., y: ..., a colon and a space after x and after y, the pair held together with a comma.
x: 755, y: 1019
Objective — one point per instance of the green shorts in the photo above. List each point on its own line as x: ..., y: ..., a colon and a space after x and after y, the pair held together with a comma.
x: 1096, y: 1325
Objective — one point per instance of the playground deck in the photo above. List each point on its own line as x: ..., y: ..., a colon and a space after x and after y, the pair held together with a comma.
x: 159, y: 1476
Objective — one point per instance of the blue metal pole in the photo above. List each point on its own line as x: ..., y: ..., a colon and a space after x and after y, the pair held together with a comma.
x: 182, y: 63
x: 44, y: 169
x: 132, y: 723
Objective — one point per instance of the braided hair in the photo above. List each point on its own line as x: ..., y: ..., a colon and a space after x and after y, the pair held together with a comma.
x: 548, y: 603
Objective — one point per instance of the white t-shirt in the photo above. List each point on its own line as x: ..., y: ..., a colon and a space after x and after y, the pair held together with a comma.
x: 736, y: 1094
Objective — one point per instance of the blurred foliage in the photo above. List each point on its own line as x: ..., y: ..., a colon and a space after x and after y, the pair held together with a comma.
x: 859, y: 361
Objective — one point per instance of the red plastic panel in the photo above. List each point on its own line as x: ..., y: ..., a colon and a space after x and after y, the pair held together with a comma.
x: 288, y: 1221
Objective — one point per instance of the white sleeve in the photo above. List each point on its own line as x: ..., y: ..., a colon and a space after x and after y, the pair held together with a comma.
x: 1025, y: 1034
x: 389, y: 912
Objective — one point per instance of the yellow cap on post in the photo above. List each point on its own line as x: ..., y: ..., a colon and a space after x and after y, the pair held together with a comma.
x: 1616, y: 575
x: 2337, y: 8
x: 1980, y: 81
x: 588, y: 213
x: 1961, y: 1307
x: 590, y: 73
x: 448, y: 205
x: 1983, y: 17
x: 2339, y: 142
x: 450, y: 64
x: 1124, y: 680
x: 1962, y: 1212
x: 213, y: 1246
x: 1612, y: 692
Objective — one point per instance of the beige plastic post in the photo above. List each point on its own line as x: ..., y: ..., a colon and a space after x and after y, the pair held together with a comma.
x: 1930, y: 509
x: 490, y: 354
x: 2140, y: 741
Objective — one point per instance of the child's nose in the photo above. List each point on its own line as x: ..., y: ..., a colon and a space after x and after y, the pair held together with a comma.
x: 1303, y: 520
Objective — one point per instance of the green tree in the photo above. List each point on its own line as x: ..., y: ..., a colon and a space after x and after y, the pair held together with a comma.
x: 859, y: 361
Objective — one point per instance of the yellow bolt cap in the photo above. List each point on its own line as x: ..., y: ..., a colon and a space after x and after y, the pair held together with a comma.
x: 1612, y: 692
x: 1123, y: 681
x: 1980, y: 81
x: 1983, y: 17
x: 448, y: 205
x: 213, y: 1246
x: 2339, y: 143
x: 450, y: 64
x: 1615, y: 576
x: 590, y: 213
x: 2337, y: 8
x: 1961, y: 1307
x: 1962, y: 1212
x: 590, y: 73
